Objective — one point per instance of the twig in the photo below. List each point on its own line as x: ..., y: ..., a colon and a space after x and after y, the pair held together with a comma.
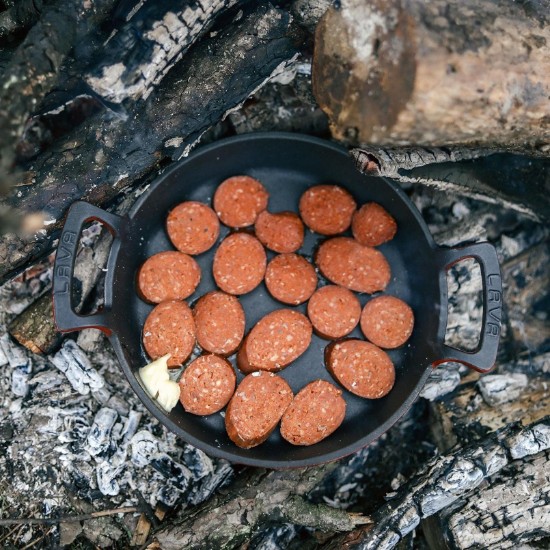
x: 69, y: 519
x: 39, y: 539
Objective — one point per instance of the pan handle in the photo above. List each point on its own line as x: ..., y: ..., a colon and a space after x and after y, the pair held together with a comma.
x: 66, y: 319
x: 483, y: 358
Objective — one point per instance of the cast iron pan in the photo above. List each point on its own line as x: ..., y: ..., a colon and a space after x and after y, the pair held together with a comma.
x: 287, y: 164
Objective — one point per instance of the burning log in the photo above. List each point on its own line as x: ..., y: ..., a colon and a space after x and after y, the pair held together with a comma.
x: 435, y: 74
x: 109, y: 153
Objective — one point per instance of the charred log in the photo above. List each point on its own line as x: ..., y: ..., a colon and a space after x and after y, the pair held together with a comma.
x: 107, y: 155
x: 20, y: 17
x: 415, y: 73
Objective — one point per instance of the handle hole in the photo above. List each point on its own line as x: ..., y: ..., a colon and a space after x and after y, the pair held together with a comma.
x: 464, y: 305
x: 89, y: 275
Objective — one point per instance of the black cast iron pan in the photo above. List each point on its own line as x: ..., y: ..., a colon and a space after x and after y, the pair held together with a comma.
x: 287, y: 164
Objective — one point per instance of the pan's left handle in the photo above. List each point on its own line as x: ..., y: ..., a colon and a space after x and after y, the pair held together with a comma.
x: 66, y: 319
x: 483, y: 358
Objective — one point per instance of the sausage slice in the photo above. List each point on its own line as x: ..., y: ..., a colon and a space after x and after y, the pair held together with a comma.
x: 170, y: 328
x: 193, y: 227
x: 361, y: 367
x: 168, y: 276
x: 207, y: 385
x: 372, y: 225
x: 334, y: 311
x: 239, y: 200
x: 275, y: 341
x: 345, y: 262
x: 282, y: 232
x: 327, y: 209
x: 290, y: 278
x: 239, y: 263
x: 220, y: 322
x: 256, y: 408
x: 387, y: 321
x: 317, y: 411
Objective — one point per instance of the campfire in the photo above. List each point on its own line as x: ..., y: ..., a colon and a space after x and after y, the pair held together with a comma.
x: 100, y: 99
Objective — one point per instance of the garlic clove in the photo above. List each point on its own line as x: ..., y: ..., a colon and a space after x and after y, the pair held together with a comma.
x: 156, y: 379
x: 169, y: 395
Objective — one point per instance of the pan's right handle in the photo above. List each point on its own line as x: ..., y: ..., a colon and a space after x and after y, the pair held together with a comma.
x: 483, y: 358
x: 66, y: 319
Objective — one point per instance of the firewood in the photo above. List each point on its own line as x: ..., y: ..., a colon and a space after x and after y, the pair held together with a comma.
x: 445, y: 480
x: 33, y: 68
x: 107, y: 154
x: 527, y: 280
x: 144, y: 49
x: 257, y: 497
x: 19, y: 17
x: 480, y: 174
x: 436, y: 73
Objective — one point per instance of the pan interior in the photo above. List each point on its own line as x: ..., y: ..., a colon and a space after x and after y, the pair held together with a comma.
x: 287, y: 166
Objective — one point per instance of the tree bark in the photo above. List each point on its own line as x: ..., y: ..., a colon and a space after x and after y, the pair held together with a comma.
x: 109, y: 153
x: 436, y: 73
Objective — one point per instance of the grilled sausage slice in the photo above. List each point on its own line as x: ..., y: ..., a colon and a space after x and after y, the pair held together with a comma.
x: 275, y: 341
x: 317, y: 411
x: 334, y: 311
x: 193, y: 227
x: 256, y: 408
x: 372, y: 225
x: 239, y: 263
x: 327, y: 209
x: 168, y: 275
x: 282, y: 232
x: 220, y: 322
x: 170, y: 328
x: 290, y: 278
x: 387, y: 321
x: 345, y: 262
x: 238, y: 201
x: 207, y: 385
x: 361, y: 367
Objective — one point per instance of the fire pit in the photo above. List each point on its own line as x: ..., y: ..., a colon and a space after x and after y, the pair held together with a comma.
x: 126, y: 91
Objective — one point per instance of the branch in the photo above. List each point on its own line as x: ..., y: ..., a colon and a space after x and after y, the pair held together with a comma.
x: 69, y: 519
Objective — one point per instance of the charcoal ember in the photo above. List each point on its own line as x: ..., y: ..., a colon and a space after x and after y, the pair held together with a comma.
x: 178, y: 474
x: 72, y: 361
x: 198, y: 462
x: 502, y: 388
x: 99, y: 441
x: 275, y: 538
x: 20, y: 365
x: 205, y: 488
x: 443, y: 380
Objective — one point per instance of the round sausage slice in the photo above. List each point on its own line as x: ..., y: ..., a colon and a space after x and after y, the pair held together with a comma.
x: 239, y: 200
x: 239, y: 263
x: 170, y: 328
x: 372, y: 225
x: 387, y: 321
x: 290, y: 278
x: 347, y: 263
x: 316, y: 412
x: 334, y: 311
x: 256, y: 408
x: 275, y: 341
x: 361, y: 367
x: 220, y: 322
x: 193, y: 227
x: 282, y: 232
x: 327, y: 209
x: 168, y: 276
x: 207, y: 385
